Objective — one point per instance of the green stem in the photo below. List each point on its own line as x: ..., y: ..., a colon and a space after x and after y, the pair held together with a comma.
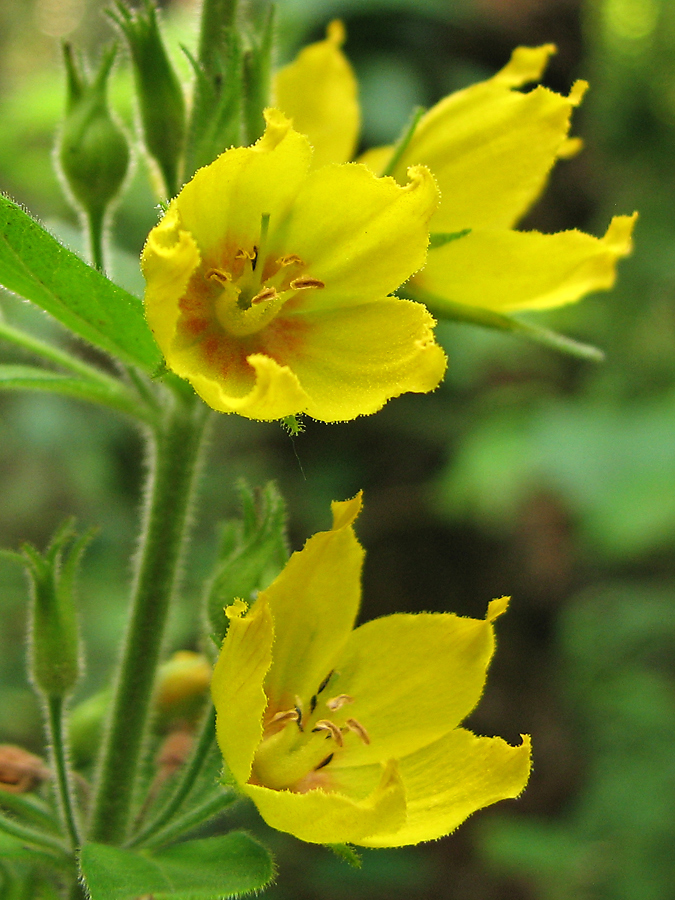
x: 95, y: 219
x: 193, y: 819
x: 186, y: 782
x: 64, y: 789
x: 31, y: 808
x: 171, y: 480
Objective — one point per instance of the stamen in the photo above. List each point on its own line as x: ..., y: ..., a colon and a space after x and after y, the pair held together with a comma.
x: 304, y: 281
x: 312, y: 704
x: 267, y: 293
x: 331, y: 727
x: 289, y: 715
x: 324, y: 683
x: 244, y: 254
x: 218, y: 275
x: 298, y: 709
x: 290, y: 260
x: 324, y: 763
x: 338, y: 702
x: 358, y: 728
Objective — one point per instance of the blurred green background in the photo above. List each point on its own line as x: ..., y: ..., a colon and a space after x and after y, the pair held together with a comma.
x: 527, y: 473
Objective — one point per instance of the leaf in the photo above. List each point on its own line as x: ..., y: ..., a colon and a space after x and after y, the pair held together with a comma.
x: 208, y: 869
x: 34, y: 265
x: 106, y: 393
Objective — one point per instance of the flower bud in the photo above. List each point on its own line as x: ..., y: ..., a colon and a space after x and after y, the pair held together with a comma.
x: 182, y: 686
x: 54, y: 651
x: 93, y: 151
x: 160, y: 96
x: 20, y: 771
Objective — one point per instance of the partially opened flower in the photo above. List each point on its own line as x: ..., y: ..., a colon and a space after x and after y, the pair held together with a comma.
x: 268, y: 285
x: 353, y: 735
x: 491, y: 148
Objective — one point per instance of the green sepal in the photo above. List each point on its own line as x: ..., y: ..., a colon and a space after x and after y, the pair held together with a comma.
x: 441, y: 238
x: 160, y: 95
x: 216, y: 120
x: 252, y: 553
x: 258, y: 76
x: 34, y: 265
x: 54, y: 641
x: 488, y: 318
x: 401, y: 144
x: 93, y: 151
x: 210, y: 869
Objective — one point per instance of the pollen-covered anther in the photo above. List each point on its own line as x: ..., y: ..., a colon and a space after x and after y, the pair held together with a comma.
x: 331, y: 728
x: 304, y: 282
x: 267, y: 293
x: 357, y: 728
x: 338, y: 702
x: 291, y: 260
x: 218, y: 275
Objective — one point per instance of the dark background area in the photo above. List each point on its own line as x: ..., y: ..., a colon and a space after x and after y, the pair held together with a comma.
x: 526, y: 473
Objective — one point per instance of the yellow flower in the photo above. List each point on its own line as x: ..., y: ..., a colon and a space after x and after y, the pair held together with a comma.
x: 267, y: 285
x: 342, y: 735
x: 491, y: 148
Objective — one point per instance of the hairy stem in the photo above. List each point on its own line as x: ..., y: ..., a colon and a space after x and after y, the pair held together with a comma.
x: 64, y: 787
x: 175, y: 454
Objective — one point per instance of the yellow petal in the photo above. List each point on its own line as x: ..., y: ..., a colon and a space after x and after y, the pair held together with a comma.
x: 318, y: 90
x: 169, y: 258
x: 223, y: 204
x: 412, y: 679
x: 508, y: 270
x: 491, y: 147
x: 313, y: 602
x: 331, y: 818
x: 274, y: 391
x: 237, y: 688
x: 359, y: 357
x: 360, y: 235
x: 449, y: 780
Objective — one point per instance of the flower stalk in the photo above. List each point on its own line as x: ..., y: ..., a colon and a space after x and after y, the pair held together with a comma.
x: 175, y: 451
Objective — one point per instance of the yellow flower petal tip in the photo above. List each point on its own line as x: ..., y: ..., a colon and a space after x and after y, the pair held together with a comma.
x: 319, y: 91
x: 236, y: 609
x: 345, y: 512
x: 497, y: 608
x: 268, y: 285
x: 527, y: 64
x: 353, y: 735
x: 578, y: 92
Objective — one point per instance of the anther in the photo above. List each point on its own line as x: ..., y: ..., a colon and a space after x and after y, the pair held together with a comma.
x: 298, y: 709
x: 324, y: 683
x: 338, y: 702
x: 289, y: 715
x: 304, y: 281
x: 358, y: 728
x: 267, y: 293
x: 218, y: 275
x: 331, y: 727
x: 312, y: 704
x: 291, y: 260
x: 324, y: 763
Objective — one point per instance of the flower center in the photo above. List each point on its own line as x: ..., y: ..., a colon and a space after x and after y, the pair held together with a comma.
x: 303, y: 740
x: 253, y: 286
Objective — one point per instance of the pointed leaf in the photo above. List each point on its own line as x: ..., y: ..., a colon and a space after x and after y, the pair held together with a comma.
x: 34, y: 265
x: 208, y: 869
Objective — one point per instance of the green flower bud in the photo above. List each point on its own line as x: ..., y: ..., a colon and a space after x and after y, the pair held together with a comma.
x: 160, y: 96
x: 54, y: 644
x: 93, y: 151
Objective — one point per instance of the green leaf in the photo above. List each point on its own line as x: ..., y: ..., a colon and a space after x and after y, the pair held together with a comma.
x: 252, y: 553
x: 34, y: 265
x: 104, y: 392
x: 208, y: 869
